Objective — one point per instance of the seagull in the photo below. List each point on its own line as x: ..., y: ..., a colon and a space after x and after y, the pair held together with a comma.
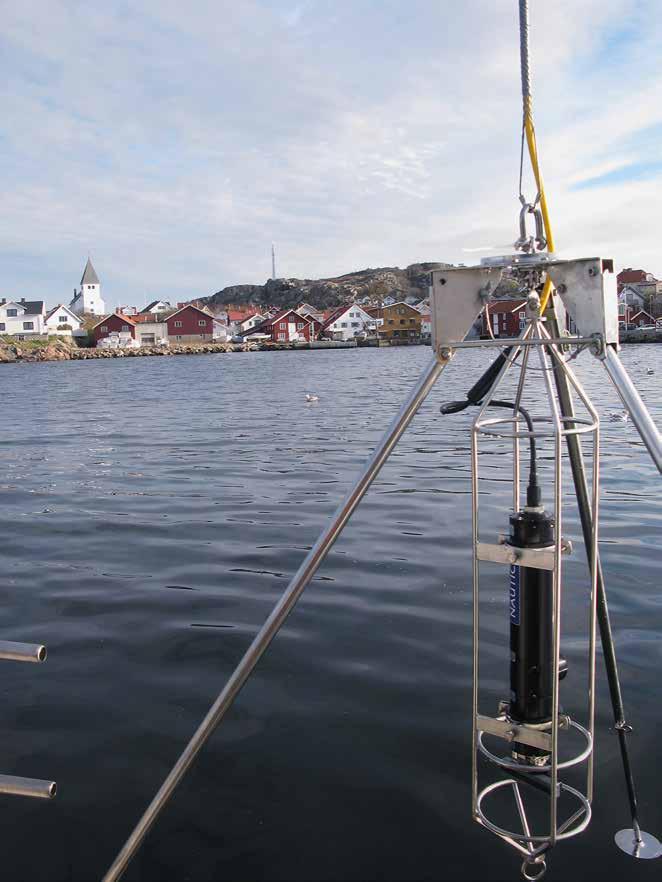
x: 310, y: 397
x: 618, y: 417
x: 650, y: 371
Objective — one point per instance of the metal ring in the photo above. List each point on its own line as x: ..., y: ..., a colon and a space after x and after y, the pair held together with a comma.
x: 514, y: 766
x: 540, y: 863
x: 522, y: 837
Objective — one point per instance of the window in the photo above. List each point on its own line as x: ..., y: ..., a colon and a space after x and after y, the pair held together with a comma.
x: 396, y: 333
x: 125, y: 327
x: 401, y: 310
x: 522, y: 315
x: 63, y: 319
x: 202, y: 323
x: 390, y: 321
x: 28, y: 326
x: 282, y: 326
x: 355, y: 324
x: 104, y: 328
x: 411, y: 321
x: 281, y: 336
x: 343, y: 324
x: 179, y: 324
x: 11, y: 313
x: 89, y: 287
x: 402, y: 321
x: 2, y: 326
x: 521, y: 324
x: 299, y: 326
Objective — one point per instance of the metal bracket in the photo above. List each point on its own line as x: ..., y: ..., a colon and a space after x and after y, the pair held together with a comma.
x: 457, y: 296
x: 587, y: 288
x: 510, y: 731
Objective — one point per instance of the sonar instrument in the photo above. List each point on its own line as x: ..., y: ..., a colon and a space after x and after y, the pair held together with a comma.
x: 526, y: 744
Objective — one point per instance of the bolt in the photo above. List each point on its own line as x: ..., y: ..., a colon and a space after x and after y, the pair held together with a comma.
x: 442, y: 281
x: 592, y: 271
x: 562, y: 288
x: 511, y: 735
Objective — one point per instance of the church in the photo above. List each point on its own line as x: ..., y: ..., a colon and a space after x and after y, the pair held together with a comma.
x: 88, y: 299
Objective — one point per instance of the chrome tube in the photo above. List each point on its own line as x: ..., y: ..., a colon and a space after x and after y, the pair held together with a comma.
x: 278, y: 616
x: 27, y: 787
x: 22, y: 652
x: 634, y: 405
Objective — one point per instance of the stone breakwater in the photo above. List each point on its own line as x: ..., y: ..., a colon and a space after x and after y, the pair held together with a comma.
x: 64, y: 351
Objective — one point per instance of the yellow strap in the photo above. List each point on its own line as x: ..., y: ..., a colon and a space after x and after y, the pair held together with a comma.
x: 530, y: 133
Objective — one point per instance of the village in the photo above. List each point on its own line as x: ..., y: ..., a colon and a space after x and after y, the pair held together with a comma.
x: 160, y: 325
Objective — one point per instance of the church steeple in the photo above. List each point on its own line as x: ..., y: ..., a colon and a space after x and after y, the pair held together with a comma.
x: 88, y: 299
x: 90, y: 276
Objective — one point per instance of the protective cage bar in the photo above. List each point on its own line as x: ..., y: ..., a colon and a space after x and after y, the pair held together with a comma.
x: 530, y: 844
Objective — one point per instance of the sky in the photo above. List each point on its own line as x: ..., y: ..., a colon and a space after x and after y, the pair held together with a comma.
x: 174, y: 142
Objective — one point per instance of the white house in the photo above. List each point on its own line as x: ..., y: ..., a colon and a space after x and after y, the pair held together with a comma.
x: 62, y: 321
x: 630, y: 301
x: 156, y: 306
x: 153, y: 333
x: 348, y: 322
x: 88, y: 299
x: 426, y: 319
x: 249, y: 322
x: 22, y: 317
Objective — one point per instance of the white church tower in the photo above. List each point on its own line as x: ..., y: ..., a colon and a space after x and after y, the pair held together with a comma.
x: 88, y: 299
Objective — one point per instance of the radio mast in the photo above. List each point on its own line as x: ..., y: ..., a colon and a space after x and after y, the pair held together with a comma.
x: 273, y: 261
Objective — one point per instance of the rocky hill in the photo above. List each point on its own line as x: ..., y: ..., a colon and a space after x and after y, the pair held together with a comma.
x: 372, y: 284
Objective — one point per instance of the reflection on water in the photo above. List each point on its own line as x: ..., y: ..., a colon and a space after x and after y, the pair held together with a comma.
x: 152, y: 512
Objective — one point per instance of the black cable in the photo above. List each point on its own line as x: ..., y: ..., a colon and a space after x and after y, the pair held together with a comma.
x: 475, y: 396
x: 532, y: 490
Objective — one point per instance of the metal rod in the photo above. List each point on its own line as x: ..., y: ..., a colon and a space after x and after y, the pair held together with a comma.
x: 557, y: 585
x: 504, y: 342
x: 604, y: 623
x: 22, y: 652
x: 572, y: 382
x: 634, y: 405
x: 278, y: 616
x: 27, y: 787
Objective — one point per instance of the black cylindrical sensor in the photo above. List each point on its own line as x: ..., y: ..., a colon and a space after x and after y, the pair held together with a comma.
x: 531, y: 637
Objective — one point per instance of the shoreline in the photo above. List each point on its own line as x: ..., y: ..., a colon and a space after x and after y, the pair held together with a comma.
x: 26, y: 352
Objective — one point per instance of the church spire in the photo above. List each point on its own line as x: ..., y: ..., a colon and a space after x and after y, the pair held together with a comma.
x: 89, y: 275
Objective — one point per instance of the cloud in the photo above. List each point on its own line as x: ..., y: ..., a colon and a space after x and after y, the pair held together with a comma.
x: 176, y: 142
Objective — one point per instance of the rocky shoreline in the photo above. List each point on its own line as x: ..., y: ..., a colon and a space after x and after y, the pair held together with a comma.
x: 61, y: 350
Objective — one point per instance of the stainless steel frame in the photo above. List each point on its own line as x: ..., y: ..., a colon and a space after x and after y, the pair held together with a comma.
x: 534, y: 845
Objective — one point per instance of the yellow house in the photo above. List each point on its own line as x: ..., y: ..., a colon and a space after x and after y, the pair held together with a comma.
x: 401, y: 324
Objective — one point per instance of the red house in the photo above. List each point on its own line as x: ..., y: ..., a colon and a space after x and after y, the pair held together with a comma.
x: 116, y: 323
x: 642, y: 318
x: 190, y: 324
x: 287, y: 326
x: 506, y: 318
x: 631, y: 276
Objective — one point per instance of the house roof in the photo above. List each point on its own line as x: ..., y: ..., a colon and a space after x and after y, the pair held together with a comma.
x: 126, y: 318
x: 189, y: 306
x: 59, y: 307
x: 150, y: 306
x: 642, y: 312
x: 148, y: 317
x: 32, y: 307
x: 505, y: 305
x: 90, y: 276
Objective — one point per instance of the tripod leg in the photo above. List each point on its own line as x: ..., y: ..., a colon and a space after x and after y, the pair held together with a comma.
x: 280, y: 612
x: 606, y: 637
x: 635, y: 406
